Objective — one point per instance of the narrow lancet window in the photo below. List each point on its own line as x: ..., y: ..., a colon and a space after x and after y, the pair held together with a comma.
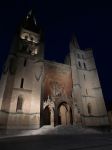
x: 79, y: 64
x: 89, y: 107
x: 25, y: 61
x: 19, y: 103
x: 84, y: 66
x: 86, y: 92
x: 22, y: 82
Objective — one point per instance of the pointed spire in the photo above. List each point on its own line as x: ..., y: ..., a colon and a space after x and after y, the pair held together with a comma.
x: 75, y: 42
x: 30, y: 22
x: 30, y: 15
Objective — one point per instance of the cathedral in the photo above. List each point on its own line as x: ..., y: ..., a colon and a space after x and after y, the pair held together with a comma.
x: 35, y: 92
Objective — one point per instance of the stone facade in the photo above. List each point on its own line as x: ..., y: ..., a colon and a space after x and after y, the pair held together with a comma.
x: 36, y: 92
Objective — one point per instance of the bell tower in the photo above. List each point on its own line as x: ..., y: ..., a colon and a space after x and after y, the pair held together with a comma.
x: 31, y: 37
x: 20, y: 85
x: 30, y: 40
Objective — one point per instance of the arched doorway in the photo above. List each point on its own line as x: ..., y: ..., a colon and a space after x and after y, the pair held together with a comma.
x: 64, y: 114
x: 46, y: 116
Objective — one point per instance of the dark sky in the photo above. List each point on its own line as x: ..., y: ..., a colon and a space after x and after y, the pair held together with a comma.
x: 90, y: 20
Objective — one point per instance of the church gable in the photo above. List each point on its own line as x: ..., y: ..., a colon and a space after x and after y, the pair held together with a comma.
x: 57, y: 80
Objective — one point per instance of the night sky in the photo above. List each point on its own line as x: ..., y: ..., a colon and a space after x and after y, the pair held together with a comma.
x: 90, y: 20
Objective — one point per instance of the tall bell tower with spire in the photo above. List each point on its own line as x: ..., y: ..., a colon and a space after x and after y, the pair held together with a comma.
x: 20, y: 96
x: 31, y: 37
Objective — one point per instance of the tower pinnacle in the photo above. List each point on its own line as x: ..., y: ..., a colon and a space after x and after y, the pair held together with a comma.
x: 29, y: 15
x: 30, y: 22
x: 74, y: 42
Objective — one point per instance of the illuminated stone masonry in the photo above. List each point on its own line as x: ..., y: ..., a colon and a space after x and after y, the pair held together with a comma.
x: 36, y: 92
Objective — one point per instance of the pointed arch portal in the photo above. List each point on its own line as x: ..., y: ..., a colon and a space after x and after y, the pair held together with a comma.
x: 46, y: 116
x: 64, y: 114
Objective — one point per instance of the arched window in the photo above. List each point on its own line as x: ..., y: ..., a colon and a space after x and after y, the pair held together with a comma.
x: 89, y: 107
x: 19, y: 103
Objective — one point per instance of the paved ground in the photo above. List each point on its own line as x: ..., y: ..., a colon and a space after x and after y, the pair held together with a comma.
x: 58, y: 142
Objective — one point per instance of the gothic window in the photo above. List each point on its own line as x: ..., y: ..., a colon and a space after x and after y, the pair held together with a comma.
x: 82, y: 56
x: 84, y: 65
x: 89, y: 108
x: 79, y: 64
x: 19, y: 103
x: 25, y: 61
x: 22, y: 82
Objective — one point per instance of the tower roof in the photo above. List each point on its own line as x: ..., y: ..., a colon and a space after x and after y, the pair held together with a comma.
x: 30, y: 23
x: 75, y: 42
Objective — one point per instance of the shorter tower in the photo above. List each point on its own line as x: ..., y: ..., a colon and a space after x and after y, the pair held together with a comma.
x: 87, y: 92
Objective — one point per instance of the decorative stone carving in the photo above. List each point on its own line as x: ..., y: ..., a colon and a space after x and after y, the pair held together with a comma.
x: 33, y: 49
x: 51, y: 105
x: 57, y: 89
